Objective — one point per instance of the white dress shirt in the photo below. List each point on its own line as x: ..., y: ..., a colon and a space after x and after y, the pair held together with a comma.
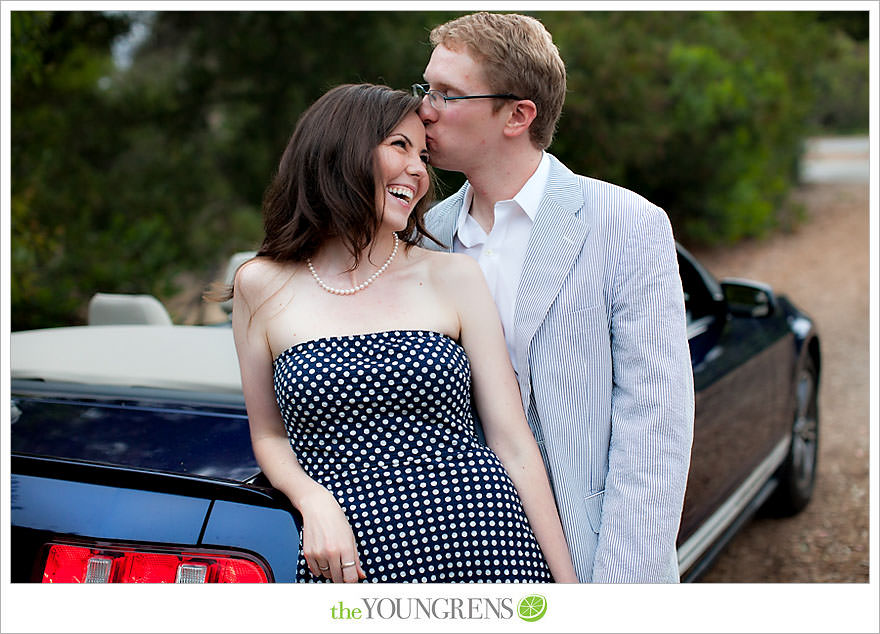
x: 501, y: 252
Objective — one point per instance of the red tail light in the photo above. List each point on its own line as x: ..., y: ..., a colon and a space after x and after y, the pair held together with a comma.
x: 148, y: 568
x: 67, y: 563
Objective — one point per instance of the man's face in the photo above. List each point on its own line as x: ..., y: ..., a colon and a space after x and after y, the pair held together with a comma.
x: 466, y: 132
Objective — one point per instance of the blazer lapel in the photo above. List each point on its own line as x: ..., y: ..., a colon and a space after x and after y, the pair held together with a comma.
x: 555, y: 242
x: 442, y: 218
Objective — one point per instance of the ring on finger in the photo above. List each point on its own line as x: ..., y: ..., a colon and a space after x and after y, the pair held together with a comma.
x: 320, y: 567
x: 347, y: 564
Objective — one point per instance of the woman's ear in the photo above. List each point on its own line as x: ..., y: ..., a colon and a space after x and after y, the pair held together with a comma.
x: 521, y: 116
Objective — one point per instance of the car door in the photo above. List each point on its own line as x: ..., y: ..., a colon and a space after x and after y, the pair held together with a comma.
x: 741, y: 367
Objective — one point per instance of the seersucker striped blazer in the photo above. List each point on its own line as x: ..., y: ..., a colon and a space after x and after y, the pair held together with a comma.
x: 605, y: 373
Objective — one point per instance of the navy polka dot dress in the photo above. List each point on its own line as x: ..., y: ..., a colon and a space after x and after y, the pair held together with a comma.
x: 383, y: 421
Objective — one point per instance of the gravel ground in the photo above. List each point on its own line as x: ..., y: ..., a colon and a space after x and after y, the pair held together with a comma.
x: 823, y: 266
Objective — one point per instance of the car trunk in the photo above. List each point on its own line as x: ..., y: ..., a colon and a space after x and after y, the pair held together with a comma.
x: 158, y: 430
x: 151, y: 469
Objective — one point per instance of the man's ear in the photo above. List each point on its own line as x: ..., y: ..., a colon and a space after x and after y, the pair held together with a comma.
x: 520, y: 118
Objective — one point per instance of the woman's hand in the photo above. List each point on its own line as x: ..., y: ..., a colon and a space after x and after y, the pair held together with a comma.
x: 328, y: 542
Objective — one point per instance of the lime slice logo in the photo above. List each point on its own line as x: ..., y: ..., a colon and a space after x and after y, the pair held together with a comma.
x: 532, y: 608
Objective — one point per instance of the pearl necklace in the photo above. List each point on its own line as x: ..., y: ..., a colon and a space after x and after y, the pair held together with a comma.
x: 362, y: 285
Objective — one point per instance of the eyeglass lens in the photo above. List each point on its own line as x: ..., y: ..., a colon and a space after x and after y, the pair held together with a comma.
x: 434, y: 97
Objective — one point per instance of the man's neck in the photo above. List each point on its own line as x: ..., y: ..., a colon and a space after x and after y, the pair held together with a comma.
x: 500, y: 180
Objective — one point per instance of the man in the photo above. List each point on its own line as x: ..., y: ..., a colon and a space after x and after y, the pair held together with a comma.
x: 586, y: 280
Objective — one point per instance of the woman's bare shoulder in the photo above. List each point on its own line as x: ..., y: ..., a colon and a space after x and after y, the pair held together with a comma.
x: 451, y: 269
x: 454, y: 275
x: 261, y: 277
x: 445, y: 263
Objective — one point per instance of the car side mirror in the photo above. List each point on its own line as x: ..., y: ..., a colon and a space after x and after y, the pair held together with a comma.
x: 746, y: 298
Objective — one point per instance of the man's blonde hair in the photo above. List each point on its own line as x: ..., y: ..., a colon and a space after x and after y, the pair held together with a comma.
x: 518, y: 56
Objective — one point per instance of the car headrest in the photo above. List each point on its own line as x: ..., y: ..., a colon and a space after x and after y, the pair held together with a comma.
x: 106, y: 309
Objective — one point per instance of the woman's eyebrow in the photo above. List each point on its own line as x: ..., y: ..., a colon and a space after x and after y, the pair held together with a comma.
x: 406, y: 138
x: 409, y: 142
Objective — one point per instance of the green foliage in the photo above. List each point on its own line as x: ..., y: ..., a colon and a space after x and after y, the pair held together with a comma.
x: 56, y: 63
x: 249, y: 75
x: 122, y: 178
x: 842, y: 85
x: 111, y: 189
x: 701, y: 112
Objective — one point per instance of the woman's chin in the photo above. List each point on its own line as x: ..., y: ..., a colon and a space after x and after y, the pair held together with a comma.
x: 396, y: 219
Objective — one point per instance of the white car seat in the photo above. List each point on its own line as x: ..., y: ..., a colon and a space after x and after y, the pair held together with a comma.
x: 118, y: 308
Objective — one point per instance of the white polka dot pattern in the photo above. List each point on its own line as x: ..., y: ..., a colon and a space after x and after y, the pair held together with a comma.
x: 383, y: 420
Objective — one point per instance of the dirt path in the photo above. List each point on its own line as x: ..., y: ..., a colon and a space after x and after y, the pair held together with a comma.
x: 823, y: 266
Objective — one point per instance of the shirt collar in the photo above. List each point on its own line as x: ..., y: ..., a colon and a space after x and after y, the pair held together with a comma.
x: 528, y: 199
x: 530, y: 196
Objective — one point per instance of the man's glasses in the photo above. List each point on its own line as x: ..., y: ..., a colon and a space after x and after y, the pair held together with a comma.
x: 438, y: 100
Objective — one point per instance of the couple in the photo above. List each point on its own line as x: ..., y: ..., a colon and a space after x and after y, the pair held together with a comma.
x: 363, y: 351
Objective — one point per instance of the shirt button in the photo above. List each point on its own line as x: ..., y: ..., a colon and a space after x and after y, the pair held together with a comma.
x: 490, y: 252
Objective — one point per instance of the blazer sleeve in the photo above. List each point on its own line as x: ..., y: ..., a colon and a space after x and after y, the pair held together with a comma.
x: 652, y: 409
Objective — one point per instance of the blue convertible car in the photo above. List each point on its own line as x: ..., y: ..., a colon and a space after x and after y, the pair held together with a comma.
x: 131, y: 458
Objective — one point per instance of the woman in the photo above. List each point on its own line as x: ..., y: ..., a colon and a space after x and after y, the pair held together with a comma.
x: 358, y: 350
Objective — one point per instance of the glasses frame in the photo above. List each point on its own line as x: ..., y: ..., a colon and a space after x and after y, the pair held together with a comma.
x: 423, y: 91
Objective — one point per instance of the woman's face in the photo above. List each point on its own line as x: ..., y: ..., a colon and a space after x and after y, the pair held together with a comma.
x: 402, y: 174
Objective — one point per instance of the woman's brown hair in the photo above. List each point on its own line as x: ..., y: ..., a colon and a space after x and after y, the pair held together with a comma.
x: 326, y: 183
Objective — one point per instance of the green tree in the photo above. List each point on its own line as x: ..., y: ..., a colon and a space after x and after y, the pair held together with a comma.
x: 701, y: 112
x: 57, y: 113
x: 247, y: 76
x: 123, y: 178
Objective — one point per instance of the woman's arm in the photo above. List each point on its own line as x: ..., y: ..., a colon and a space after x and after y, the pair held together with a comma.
x: 327, y: 536
x: 497, y: 399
